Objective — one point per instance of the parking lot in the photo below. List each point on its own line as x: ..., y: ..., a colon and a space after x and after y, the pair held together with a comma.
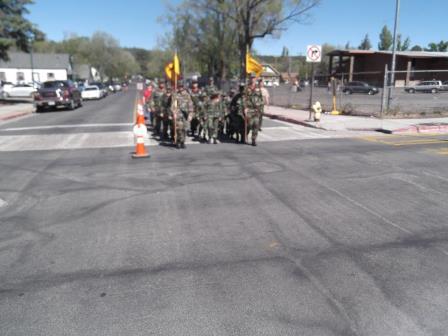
x: 402, y: 103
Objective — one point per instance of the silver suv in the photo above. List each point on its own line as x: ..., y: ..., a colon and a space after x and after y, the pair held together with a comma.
x: 426, y: 86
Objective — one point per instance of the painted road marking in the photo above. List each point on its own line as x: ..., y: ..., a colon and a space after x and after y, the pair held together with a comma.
x: 404, y: 140
x: 90, y: 140
x: 439, y: 151
x: 62, y: 127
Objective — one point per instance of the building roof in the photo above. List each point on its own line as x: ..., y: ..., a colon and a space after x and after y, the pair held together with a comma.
x: 21, y: 60
x: 269, y: 71
x: 410, y: 54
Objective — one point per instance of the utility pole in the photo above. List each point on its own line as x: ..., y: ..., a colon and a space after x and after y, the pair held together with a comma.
x: 31, y: 41
x: 394, y: 53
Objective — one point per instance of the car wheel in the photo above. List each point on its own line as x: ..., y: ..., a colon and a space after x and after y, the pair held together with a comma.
x: 71, y: 106
x: 80, y: 102
x: 370, y: 93
x: 411, y: 91
x: 348, y: 92
x: 434, y: 91
x: 39, y: 109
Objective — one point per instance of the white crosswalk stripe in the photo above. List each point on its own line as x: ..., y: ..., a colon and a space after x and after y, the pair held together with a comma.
x: 85, y: 140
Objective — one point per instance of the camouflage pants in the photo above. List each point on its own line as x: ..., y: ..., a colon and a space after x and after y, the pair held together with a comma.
x: 157, y: 122
x: 253, y: 125
x: 181, y: 130
x: 212, y: 127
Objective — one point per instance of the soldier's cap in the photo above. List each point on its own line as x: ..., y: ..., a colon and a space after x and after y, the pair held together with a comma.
x: 214, y: 94
x: 180, y: 85
x: 253, y: 75
x: 211, y: 79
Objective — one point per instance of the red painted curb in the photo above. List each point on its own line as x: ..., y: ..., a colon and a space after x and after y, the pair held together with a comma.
x: 21, y: 114
x: 423, y: 129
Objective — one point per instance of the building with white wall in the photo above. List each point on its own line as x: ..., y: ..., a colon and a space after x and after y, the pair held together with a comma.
x: 45, y: 67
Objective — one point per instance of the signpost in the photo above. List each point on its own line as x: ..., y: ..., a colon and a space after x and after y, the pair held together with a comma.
x: 313, y: 55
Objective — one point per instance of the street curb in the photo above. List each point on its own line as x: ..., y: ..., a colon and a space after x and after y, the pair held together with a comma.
x: 9, y: 117
x: 12, y: 115
x: 421, y: 129
x: 291, y: 120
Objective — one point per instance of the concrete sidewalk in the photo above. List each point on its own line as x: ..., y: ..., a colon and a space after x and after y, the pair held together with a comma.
x: 354, y: 123
x: 15, y: 110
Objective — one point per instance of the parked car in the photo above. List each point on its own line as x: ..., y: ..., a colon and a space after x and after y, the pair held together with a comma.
x: 19, y: 91
x: 444, y: 86
x: 117, y: 87
x: 360, y: 87
x: 425, y: 86
x: 92, y: 92
x: 102, y: 87
x: 58, y: 93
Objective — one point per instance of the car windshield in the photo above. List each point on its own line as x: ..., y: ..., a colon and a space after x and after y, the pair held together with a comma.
x: 52, y: 85
x: 91, y: 88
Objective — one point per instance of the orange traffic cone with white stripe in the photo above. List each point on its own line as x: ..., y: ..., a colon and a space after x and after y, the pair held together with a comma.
x: 140, y: 133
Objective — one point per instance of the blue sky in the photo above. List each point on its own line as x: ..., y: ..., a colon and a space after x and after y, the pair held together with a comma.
x: 135, y: 22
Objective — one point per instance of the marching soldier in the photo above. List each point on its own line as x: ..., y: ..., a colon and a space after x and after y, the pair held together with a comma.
x: 253, y: 104
x: 156, y: 106
x: 166, y: 115
x: 180, y: 106
x: 202, y: 115
x: 210, y: 88
x: 195, y: 94
x: 214, y: 114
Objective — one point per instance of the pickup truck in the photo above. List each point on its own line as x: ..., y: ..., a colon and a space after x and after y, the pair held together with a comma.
x: 426, y: 86
x: 57, y: 93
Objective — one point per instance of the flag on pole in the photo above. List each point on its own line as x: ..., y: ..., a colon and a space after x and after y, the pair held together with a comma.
x: 253, y: 66
x: 172, y: 69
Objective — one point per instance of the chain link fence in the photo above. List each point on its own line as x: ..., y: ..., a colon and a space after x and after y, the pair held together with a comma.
x: 411, y: 96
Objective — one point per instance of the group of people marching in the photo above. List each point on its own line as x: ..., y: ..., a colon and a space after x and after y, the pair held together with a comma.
x: 207, y: 114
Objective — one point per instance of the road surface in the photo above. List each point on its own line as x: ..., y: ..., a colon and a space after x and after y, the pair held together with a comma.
x: 302, y: 235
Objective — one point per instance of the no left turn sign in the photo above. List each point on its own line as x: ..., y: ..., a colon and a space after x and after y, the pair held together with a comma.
x: 314, y: 53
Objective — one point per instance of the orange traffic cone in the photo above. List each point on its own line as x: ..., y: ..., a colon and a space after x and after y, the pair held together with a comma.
x: 140, y: 133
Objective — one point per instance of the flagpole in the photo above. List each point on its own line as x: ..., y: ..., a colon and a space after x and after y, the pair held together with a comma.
x: 244, y: 94
x: 175, y: 98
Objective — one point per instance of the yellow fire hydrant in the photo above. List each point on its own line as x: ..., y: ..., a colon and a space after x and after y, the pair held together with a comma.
x: 317, y: 109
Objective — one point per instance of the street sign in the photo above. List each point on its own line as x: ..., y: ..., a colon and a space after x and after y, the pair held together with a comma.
x: 314, y: 53
x: 140, y: 86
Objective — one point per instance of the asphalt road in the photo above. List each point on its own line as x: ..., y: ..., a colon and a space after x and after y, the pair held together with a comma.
x: 301, y: 237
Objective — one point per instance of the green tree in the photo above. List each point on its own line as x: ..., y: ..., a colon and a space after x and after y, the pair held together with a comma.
x: 242, y: 21
x: 403, y: 46
x: 386, y: 39
x: 14, y: 28
x: 365, y: 43
x: 347, y: 45
x: 416, y: 48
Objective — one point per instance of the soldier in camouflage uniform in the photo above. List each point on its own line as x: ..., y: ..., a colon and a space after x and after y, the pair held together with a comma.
x: 156, y: 106
x: 201, y: 114
x: 166, y: 115
x: 253, y: 104
x: 195, y: 94
x: 181, y: 108
x: 210, y: 88
x: 214, y: 113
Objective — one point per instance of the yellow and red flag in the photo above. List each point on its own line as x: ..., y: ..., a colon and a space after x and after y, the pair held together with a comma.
x: 172, y: 69
x: 252, y: 66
